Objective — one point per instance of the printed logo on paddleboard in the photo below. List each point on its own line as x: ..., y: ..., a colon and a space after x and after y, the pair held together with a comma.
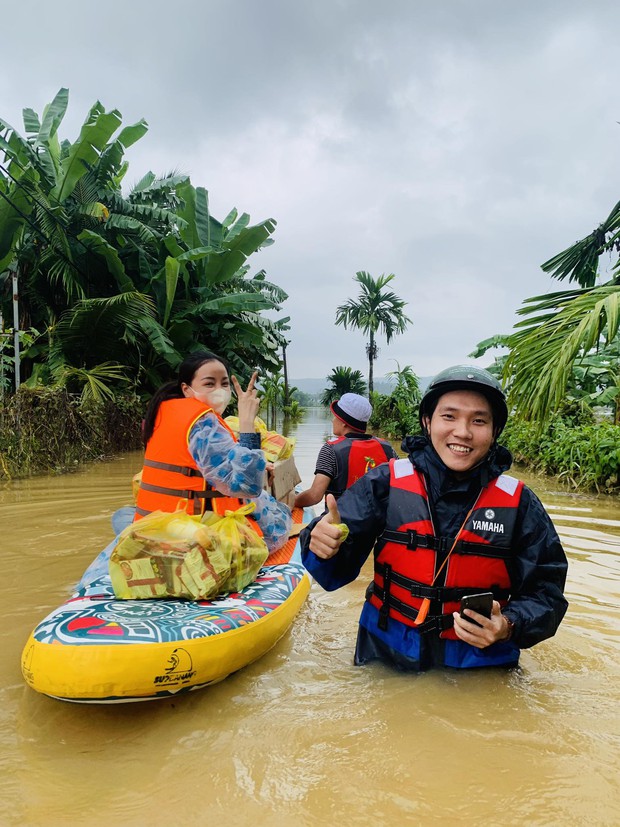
x: 179, y: 669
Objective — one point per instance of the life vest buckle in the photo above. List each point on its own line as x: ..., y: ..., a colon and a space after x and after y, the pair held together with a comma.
x: 443, y: 545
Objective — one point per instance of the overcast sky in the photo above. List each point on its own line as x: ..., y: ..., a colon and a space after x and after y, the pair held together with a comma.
x: 455, y: 144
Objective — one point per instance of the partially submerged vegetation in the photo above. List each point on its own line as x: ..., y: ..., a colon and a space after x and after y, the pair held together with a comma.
x: 48, y: 430
x: 584, y: 454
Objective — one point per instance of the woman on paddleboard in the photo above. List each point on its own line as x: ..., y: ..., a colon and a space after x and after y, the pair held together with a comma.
x: 192, y: 455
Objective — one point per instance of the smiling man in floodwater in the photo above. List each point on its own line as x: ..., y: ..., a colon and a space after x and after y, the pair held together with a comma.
x: 444, y: 523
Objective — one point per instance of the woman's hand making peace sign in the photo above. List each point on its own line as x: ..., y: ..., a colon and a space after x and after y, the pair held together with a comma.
x: 248, y: 403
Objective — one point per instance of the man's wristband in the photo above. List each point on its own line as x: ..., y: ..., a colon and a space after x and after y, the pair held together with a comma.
x: 509, y: 627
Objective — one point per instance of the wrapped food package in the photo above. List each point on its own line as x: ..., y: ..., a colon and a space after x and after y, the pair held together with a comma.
x: 168, y: 555
x: 245, y: 549
x: 179, y: 555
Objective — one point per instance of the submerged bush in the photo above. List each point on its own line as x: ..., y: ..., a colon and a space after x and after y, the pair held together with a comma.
x: 395, y: 416
x: 586, y: 455
x: 46, y: 430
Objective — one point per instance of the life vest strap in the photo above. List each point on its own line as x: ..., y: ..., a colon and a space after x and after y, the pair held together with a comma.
x: 442, y: 594
x: 433, y: 623
x: 384, y: 611
x: 180, y: 492
x: 178, y: 469
x: 409, y: 537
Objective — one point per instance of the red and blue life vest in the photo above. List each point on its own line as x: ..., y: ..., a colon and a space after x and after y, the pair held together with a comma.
x: 409, y: 553
x: 354, y: 457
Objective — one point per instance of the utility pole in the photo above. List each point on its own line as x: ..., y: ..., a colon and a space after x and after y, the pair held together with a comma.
x: 285, y: 370
x: 16, y: 326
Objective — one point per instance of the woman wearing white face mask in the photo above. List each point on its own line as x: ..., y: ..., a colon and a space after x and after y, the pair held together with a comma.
x: 192, y: 454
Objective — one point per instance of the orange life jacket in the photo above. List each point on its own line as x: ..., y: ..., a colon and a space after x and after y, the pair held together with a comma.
x: 169, y: 473
x: 409, y: 552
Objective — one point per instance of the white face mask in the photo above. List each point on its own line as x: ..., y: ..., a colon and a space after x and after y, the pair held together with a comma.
x: 218, y: 398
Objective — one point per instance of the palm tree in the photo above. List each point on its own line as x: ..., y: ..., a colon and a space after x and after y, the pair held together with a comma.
x: 343, y: 380
x: 566, y: 329
x: 272, y: 395
x: 375, y: 309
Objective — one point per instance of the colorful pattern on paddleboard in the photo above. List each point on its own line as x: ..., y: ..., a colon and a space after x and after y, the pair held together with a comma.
x: 98, y: 649
x: 95, y: 617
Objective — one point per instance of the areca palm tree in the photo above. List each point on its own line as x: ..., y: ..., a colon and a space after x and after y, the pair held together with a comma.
x: 564, y: 330
x: 375, y: 310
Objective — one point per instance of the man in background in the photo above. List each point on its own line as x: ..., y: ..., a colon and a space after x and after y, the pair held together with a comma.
x: 349, y: 455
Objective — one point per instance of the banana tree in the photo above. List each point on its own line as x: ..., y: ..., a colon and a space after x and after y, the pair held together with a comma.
x: 205, y: 294
x: 57, y: 199
x: 88, y: 255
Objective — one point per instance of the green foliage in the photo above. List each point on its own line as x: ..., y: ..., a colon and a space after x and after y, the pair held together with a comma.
x: 28, y: 349
x: 562, y: 329
x: 272, y: 396
x: 95, y: 383
x: 123, y: 287
x: 580, y: 262
x: 293, y: 411
x: 552, y: 349
x: 571, y: 446
x: 305, y: 400
x: 396, y: 415
x: 343, y: 380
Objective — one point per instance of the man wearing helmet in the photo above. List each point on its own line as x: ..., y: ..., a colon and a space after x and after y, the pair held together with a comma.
x: 446, y: 522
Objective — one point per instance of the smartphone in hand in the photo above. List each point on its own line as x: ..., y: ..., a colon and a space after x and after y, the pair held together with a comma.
x: 481, y: 603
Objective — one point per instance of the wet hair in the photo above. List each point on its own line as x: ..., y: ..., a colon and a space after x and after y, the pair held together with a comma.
x: 173, y: 390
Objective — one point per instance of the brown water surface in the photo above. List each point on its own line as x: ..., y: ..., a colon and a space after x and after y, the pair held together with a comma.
x: 302, y: 736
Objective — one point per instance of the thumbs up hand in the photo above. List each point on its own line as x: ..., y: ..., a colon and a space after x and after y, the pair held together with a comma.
x: 332, y: 509
x: 329, y: 533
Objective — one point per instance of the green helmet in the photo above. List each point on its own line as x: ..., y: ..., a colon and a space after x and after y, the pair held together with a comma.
x: 466, y: 378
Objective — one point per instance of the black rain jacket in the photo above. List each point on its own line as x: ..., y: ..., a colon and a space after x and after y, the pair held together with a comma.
x: 538, y: 568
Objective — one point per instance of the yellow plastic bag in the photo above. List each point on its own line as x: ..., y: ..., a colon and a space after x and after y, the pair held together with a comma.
x: 274, y: 445
x: 233, y: 423
x: 169, y: 555
x: 245, y: 549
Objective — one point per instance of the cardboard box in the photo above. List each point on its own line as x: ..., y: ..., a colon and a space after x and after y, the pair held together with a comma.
x: 285, y: 478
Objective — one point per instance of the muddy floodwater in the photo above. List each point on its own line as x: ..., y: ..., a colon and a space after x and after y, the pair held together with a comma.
x: 302, y: 736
